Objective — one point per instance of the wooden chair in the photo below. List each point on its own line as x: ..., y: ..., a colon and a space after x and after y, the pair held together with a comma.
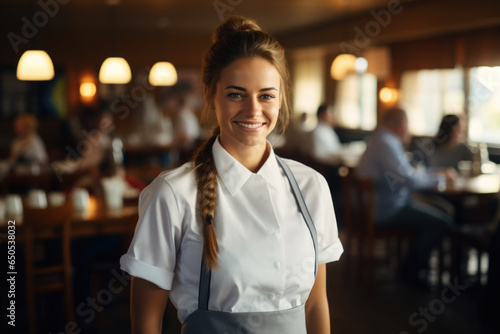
x: 359, y: 220
x: 39, y: 225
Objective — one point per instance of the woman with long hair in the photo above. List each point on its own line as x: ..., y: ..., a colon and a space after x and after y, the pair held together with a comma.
x: 237, y: 238
x: 450, y: 146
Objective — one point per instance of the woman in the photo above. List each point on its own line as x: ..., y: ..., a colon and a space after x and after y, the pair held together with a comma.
x: 450, y: 146
x: 231, y: 214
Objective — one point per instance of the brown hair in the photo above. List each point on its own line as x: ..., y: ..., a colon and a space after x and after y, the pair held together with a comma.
x: 236, y: 38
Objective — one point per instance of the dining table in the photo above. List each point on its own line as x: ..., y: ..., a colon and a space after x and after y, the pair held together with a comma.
x: 476, y: 203
x: 465, y: 191
x: 96, y: 219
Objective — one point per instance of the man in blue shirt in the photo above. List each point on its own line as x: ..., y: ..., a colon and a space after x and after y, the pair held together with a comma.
x: 386, y: 163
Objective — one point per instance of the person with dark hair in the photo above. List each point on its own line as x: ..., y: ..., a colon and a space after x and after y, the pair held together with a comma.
x: 326, y: 143
x: 237, y: 238
x: 449, y: 144
x: 386, y: 163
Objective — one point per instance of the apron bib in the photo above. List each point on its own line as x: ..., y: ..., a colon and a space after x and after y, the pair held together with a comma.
x: 290, y: 321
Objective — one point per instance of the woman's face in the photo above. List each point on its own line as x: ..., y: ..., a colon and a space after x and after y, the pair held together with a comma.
x: 247, y: 103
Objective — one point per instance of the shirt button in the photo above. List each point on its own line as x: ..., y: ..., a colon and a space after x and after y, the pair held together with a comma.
x: 272, y: 296
x: 277, y: 264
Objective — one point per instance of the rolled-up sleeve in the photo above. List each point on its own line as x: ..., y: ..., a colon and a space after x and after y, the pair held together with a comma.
x: 152, y: 252
x: 329, y: 245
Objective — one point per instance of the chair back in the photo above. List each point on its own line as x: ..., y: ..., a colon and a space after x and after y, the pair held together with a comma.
x: 359, y: 202
x: 39, y: 225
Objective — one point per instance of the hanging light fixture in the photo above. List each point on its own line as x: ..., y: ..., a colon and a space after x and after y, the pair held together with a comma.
x: 115, y: 70
x: 163, y: 73
x: 35, y: 65
x: 342, y: 65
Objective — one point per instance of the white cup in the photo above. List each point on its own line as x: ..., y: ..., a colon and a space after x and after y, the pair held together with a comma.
x: 81, y: 199
x: 56, y: 198
x: 37, y: 199
x: 14, y: 205
x: 114, y: 188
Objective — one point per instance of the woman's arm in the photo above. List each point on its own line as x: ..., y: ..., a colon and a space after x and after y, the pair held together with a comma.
x: 317, y: 311
x: 147, y: 306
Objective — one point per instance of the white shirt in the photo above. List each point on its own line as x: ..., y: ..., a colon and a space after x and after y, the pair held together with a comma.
x: 187, y: 125
x: 266, y: 254
x: 29, y: 148
x: 326, y: 144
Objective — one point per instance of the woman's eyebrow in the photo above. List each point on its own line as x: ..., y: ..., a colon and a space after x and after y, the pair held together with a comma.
x: 244, y: 90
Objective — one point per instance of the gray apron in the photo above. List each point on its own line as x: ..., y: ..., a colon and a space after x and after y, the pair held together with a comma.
x: 290, y: 321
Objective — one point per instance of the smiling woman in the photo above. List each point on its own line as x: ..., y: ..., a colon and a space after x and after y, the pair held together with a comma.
x: 217, y: 235
x: 247, y: 103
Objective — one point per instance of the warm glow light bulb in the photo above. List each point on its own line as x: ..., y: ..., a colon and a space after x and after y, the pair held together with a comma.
x: 388, y: 95
x: 35, y: 65
x: 115, y: 70
x: 163, y: 73
x: 342, y: 65
x: 88, y: 89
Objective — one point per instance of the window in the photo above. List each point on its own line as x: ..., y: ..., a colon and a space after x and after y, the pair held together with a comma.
x: 427, y: 95
x: 484, y: 105
x: 356, y: 102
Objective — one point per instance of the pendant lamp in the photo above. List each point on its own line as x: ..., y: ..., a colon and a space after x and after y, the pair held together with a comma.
x: 163, y: 73
x: 342, y: 65
x: 115, y: 70
x: 35, y: 65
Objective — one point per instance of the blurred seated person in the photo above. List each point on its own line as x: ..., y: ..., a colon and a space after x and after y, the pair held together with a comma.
x: 185, y: 123
x: 386, y: 163
x: 326, y: 144
x: 93, y: 147
x: 450, y: 147
x: 27, y: 148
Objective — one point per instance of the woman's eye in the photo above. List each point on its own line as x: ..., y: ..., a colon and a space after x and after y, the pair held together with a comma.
x: 267, y: 96
x: 234, y: 95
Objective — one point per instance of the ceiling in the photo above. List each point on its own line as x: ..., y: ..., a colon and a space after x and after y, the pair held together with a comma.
x: 85, y: 32
x: 192, y: 16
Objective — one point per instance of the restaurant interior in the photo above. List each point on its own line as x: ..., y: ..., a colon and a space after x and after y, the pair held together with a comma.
x: 104, y: 93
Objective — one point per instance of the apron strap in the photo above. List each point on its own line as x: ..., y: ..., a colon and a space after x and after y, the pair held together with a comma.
x: 204, y: 288
x: 206, y: 275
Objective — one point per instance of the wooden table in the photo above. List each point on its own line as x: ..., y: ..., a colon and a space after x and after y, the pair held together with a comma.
x: 96, y: 220
x: 464, y: 188
x: 483, y: 184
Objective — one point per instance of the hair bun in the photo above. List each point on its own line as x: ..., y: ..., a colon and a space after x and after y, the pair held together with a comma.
x: 234, y: 24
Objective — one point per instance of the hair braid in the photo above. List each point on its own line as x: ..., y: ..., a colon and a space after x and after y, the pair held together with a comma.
x: 207, y: 197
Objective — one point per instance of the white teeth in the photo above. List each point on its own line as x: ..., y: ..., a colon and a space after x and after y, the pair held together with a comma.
x: 250, y: 126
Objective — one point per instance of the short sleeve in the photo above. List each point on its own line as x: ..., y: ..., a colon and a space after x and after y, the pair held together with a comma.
x: 325, y: 221
x: 152, y: 252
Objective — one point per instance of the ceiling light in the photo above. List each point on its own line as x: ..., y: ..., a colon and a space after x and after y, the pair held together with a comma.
x: 163, y: 73
x: 361, y: 65
x: 115, y: 70
x: 342, y: 65
x: 35, y: 65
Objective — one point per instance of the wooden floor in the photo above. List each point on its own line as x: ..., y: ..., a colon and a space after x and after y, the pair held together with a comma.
x: 392, y: 307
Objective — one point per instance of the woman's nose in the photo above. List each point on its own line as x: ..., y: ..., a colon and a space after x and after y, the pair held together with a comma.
x: 253, y: 107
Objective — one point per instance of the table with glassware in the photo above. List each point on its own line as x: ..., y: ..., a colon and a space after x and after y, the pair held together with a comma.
x: 92, y: 215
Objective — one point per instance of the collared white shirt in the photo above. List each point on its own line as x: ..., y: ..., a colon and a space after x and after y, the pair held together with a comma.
x: 326, y: 144
x: 266, y: 254
x: 31, y: 149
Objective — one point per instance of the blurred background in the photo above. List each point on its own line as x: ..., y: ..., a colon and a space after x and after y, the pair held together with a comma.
x: 430, y: 57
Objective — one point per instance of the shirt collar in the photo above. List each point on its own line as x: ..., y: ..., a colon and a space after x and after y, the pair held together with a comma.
x: 234, y: 175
